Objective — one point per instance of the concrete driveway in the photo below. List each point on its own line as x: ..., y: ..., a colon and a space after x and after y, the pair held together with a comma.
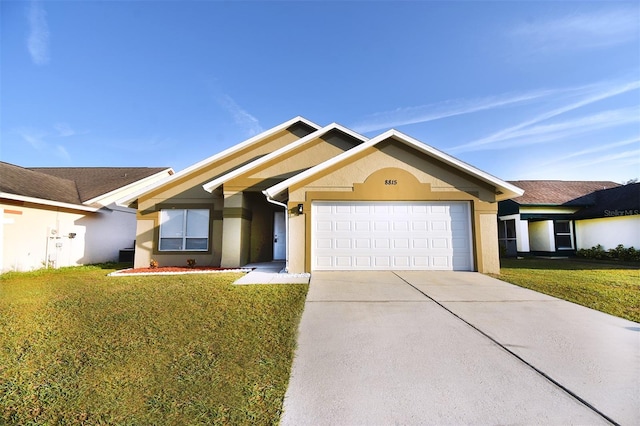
x: 378, y: 348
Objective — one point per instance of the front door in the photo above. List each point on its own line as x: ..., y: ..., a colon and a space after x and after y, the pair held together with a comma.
x: 279, y: 236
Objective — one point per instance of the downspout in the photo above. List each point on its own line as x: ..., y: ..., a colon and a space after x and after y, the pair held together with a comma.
x: 286, y: 227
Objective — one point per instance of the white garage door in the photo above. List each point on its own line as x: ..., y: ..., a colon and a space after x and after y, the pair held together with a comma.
x: 391, y: 235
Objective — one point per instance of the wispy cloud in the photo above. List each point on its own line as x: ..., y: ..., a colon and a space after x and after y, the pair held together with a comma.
x: 593, y: 150
x: 64, y: 130
x: 62, y: 152
x: 424, y: 113
x: 35, y: 138
x: 240, y: 116
x: 39, y: 140
x: 579, y: 31
x: 587, y: 95
x: 38, y: 39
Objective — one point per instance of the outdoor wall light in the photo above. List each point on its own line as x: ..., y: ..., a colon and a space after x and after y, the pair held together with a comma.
x: 300, y: 208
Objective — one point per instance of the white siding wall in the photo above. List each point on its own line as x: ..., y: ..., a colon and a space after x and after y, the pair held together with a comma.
x: 522, y: 235
x: 541, y: 236
x: 609, y: 232
x: 28, y: 237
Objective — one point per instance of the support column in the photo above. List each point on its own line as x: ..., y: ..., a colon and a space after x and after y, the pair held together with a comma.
x: 236, y: 230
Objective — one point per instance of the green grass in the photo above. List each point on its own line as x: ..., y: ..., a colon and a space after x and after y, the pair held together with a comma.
x: 77, y: 347
x: 608, y: 287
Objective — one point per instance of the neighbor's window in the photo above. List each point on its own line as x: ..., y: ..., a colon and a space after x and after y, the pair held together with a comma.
x: 564, y: 235
x: 184, y: 230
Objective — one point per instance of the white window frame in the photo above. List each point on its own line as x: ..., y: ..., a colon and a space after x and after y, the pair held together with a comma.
x: 183, y: 234
x: 564, y: 234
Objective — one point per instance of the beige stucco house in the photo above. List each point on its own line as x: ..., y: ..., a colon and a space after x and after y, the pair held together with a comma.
x: 324, y: 198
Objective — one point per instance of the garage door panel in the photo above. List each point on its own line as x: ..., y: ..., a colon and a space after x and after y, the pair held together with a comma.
x: 382, y: 261
x: 440, y: 262
x: 439, y: 243
x: 391, y: 235
x: 421, y: 243
x: 324, y: 243
x: 361, y: 226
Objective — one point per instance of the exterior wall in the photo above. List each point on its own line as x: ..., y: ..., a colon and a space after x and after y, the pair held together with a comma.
x: 187, y: 192
x: 490, y: 259
x: 541, y: 236
x: 608, y: 232
x: 297, y: 242
x: 291, y: 163
x: 522, y: 235
x: 35, y: 236
x: 522, y: 232
x: 417, y: 177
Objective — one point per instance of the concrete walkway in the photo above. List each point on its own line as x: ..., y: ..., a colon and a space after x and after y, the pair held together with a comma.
x: 381, y: 348
x: 271, y: 273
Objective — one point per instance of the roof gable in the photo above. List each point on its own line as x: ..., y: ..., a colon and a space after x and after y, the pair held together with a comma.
x: 282, y: 153
x: 558, y: 192
x: 503, y: 189
x: 297, y: 124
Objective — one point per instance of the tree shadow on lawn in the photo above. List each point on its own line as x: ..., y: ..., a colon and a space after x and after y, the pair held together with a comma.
x: 566, y: 264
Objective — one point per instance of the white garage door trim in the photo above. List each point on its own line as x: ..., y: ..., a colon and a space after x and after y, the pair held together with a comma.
x: 394, y: 235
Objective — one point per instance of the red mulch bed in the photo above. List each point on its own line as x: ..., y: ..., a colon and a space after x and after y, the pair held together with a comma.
x: 175, y: 269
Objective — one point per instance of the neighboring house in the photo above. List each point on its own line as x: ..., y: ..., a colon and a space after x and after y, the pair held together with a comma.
x: 324, y: 198
x: 560, y: 217
x: 53, y: 217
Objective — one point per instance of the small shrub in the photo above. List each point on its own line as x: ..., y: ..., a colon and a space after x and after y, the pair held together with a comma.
x: 153, y: 264
x: 618, y: 253
x: 191, y: 263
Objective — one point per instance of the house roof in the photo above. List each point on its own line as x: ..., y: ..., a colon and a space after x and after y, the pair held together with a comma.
x: 622, y: 200
x: 210, y: 186
x: 217, y: 157
x: 504, y: 189
x: 71, y: 186
x: 18, y: 180
x: 558, y: 192
x: 92, y: 182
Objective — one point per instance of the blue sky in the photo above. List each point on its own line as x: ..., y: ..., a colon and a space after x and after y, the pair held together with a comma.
x: 521, y: 90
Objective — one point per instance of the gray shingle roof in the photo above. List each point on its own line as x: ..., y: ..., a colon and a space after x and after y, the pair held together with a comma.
x: 558, y: 192
x: 20, y: 181
x: 73, y: 185
x: 94, y: 181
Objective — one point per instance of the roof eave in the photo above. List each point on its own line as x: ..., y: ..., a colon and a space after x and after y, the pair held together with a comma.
x: 52, y: 203
x: 126, y: 202
x: 503, y: 189
x: 212, y: 185
x: 97, y: 199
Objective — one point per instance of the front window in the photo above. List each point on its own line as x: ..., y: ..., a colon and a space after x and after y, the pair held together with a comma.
x: 184, y: 230
x: 564, y: 235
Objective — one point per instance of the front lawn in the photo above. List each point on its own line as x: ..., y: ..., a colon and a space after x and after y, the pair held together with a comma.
x: 77, y: 347
x: 607, y: 287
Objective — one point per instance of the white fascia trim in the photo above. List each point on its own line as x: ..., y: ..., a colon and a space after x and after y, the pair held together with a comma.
x: 97, y: 199
x: 49, y: 202
x: 125, y: 202
x: 210, y: 186
x: 459, y: 164
x: 277, y: 189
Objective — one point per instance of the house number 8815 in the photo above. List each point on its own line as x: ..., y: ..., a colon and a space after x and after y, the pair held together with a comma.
x: 391, y: 182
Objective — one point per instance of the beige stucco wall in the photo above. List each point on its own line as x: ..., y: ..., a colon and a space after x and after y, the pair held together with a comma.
x: 243, y: 219
x: 419, y: 178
